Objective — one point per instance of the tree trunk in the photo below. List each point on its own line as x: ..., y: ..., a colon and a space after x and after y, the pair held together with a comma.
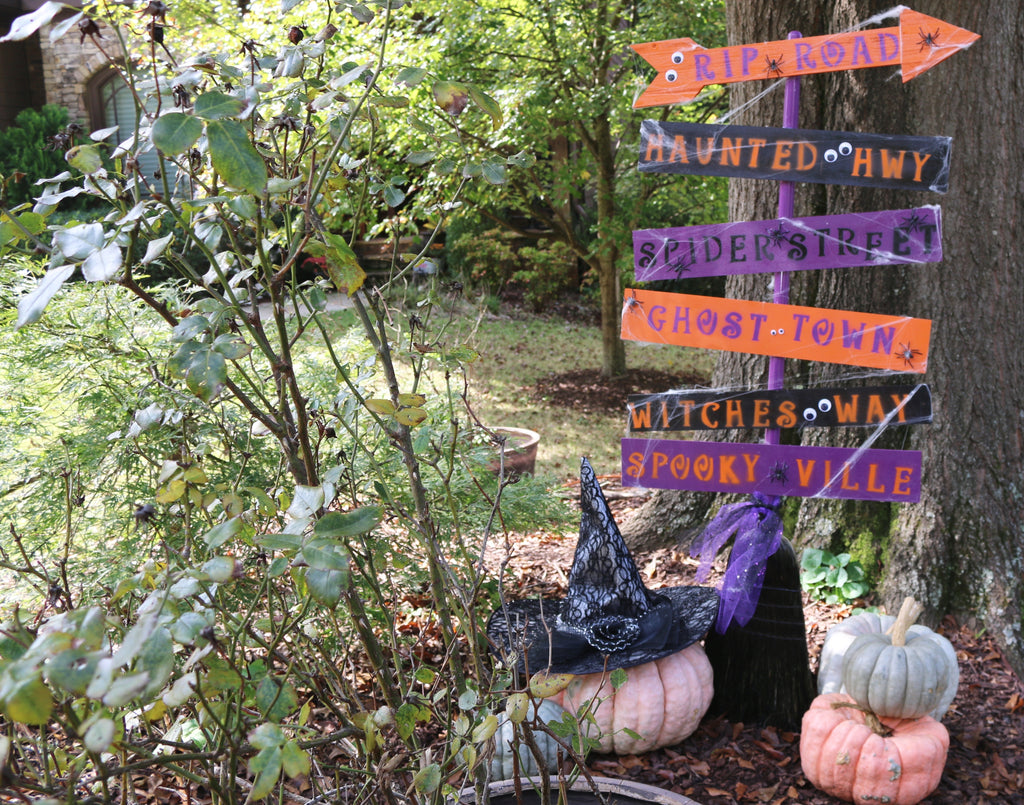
x: 960, y: 549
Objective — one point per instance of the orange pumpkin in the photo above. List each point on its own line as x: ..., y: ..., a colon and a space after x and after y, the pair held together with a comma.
x: 845, y: 757
x: 662, y: 702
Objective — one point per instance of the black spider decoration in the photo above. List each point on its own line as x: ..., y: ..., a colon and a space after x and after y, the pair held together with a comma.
x: 912, y: 223
x: 927, y: 40
x: 680, y: 265
x: 907, y: 354
x: 778, y: 235
x: 779, y: 473
x: 773, y: 67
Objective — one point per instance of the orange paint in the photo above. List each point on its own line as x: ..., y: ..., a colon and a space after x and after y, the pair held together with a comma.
x: 897, y: 343
x: 685, y: 68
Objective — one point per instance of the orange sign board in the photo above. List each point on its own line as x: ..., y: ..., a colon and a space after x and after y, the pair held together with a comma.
x: 685, y: 68
x: 896, y: 343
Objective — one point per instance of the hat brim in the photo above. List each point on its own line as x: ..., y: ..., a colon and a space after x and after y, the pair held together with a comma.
x: 528, y: 628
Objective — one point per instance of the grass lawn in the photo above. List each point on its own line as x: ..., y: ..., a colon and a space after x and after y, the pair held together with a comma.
x: 517, y: 349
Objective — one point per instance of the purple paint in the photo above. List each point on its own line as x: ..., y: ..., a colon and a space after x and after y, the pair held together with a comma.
x: 796, y: 470
x: 888, y: 237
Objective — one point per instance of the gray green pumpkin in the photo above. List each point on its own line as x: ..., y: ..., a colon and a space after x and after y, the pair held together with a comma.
x: 901, y: 674
x: 507, y: 743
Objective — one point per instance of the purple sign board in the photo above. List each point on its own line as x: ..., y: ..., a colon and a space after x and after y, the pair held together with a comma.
x: 796, y: 470
x: 890, y: 237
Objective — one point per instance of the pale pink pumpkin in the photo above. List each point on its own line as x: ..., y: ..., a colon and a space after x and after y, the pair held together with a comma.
x: 662, y: 701
x: 843, y: 756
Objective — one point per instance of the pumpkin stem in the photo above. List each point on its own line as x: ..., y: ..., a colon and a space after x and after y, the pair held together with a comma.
x: 909, y: 613
x: 873, y: 721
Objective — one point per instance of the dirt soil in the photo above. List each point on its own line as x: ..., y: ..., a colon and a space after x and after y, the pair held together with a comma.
x: 725, y: 762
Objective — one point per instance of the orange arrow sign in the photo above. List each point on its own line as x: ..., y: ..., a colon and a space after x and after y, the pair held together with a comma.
x: 685, y: 68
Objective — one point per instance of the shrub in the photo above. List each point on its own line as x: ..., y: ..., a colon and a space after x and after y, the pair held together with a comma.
x: 26, y: 149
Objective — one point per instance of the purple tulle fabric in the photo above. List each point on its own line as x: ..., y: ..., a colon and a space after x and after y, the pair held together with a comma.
x: 758, y: 529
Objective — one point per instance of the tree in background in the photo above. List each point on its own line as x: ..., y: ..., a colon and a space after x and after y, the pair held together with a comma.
x: 568, y: 78
x: 960, y: 549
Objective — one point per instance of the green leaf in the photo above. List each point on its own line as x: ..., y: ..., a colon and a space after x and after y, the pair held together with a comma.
x: 86, y: 158
x: 157, y: 660
x: 78, y: 242
x: 380, y: 406
x: 275, y: 699
x: 324, y: 555
x: 234, y: 157
x: 155, y: 248
x: 27, y: 24
x: 189, y: 328
x: 295, y: 761
x: 811, y: 558
x: 206, y: 374
x: 220, y: 569
x: 410, y: 76
x: 326, y: 586
x: 217, y: 106
x: 230, y: 346
x: 267, y: 735
x: 100, y: 735
x: 103, y: 265
x: 420, y: 157
x: 393, y: 196
x: 618, y: 678
x: 405, y: 719
x: 222, y: 532
x: 427, y: 779
x: 468, y: 699
x: 72, y: 670
x: 29, y: 701
x: 348, y: 524
x: 176, y: 133
x: 267, y: 766
x: 32, y: 305
x: 390, y: 101
x: 342, y: 264
x: 488, y: 104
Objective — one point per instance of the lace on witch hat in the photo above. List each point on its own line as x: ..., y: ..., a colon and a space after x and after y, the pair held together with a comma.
x: 608, y: 618
x: 607, y: 600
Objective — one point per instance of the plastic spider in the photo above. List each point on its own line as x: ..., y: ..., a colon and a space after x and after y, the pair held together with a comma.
x: 912, y: 223
x: 907, y: 354
x: 680, y: 265
x: 778, y: 235
x: 779, y: 473
x: 634, y: 304
x: 927, y: 40
x: 773, y: 67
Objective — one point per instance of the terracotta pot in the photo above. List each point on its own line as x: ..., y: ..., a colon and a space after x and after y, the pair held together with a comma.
x: 581, y: 792
x: 520, y: 451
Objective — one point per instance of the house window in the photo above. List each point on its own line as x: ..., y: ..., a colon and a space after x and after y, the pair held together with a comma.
x: 110, y: 103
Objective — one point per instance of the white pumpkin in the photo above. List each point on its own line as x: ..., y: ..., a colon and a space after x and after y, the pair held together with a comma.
x: 841, y: 636
x: 662, y: 702
x: 507, y: 744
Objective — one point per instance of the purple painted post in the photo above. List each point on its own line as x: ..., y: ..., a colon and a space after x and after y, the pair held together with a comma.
x: 780, y: 282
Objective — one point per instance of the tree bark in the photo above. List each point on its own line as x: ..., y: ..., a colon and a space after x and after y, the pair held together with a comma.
x: 960, y: 550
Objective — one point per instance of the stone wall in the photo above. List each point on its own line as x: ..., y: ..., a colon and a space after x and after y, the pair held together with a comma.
x: 68, y: 64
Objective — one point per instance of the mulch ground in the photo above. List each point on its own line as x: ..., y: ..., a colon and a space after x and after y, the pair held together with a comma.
x: 725, y: 762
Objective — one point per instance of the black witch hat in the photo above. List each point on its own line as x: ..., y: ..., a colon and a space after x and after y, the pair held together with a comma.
x: 608, y: 619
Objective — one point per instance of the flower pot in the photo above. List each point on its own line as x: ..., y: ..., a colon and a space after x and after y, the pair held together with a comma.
x: 520, y: 451
x: 581, y: 792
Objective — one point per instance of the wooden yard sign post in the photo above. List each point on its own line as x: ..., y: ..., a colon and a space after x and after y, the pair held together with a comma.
x: 760, y: 657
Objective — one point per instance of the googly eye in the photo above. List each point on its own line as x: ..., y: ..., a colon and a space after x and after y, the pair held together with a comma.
x: 831, y: 155
x: 824, y: 406
x: 845, y: 149
x: 677, y: 57
x: 782, y: 331
x: 671, y: 75
x: 775, y: 332
x: 810, y: 414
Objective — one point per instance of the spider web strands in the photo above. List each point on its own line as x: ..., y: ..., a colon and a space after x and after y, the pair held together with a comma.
x: 888, y: 237
x: 896, y: 343
x: 684, y: 68
x: 771, y: 469
x: 902, y: 162
x: 695, y: 409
